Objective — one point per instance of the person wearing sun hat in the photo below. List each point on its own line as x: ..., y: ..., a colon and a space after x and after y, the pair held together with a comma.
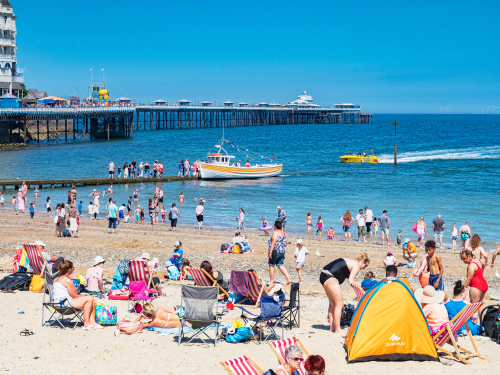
x: 281, y: 216
x: 434, y: 310
x: 94, y: 277
x: 410, y: 252
x: 49, y: 259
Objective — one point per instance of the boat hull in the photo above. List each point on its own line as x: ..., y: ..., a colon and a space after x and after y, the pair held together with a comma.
x: 358, y: 159
x: 213, y: 171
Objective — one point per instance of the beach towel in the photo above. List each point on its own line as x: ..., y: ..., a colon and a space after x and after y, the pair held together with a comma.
x: 121, y: 273
x: 177, y: 331
x: 239, y: 282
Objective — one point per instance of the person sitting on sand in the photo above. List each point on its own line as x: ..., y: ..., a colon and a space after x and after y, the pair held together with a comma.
x: 217, y: 275
x: 315, y: 365
x: 186, y: 266
x: 64, y: 289
x: 294, y: 356
x: 161, y: 317
x: 389, y: 259
x: 93, y: 279
x: 369, y: 281
x: 391, y: 274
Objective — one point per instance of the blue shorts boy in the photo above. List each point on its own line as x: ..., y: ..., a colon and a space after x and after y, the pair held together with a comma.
x: 433, y: 279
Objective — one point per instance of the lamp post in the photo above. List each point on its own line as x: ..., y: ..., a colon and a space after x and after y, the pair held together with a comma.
x: 395, y: 123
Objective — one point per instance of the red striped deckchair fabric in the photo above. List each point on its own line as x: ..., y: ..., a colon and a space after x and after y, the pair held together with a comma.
x: 199, y: 277
x: 138, y: 271
x: 35, y: 258
x: 242, y: 366
x: 254, y: 286
x: 454, y: 325
x: 280, y: 346
x: 359, y: 292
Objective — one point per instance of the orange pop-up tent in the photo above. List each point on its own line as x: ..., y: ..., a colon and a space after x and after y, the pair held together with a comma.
x: 389, y: 325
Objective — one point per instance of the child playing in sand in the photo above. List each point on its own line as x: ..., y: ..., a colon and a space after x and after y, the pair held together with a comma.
x: 369, y: 281
x: 434, y: 266
x: 330, y: 234
x: 138, y: 214
x: 389, y: 260
x: 454, y: 235
x: 300, y: 258
x: 32, y: 210
x: 161, y: 317
x: 186, y: 266
x: 163, y: 214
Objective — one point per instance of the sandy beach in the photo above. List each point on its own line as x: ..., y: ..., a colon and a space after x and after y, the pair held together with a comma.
x: 52, y: 349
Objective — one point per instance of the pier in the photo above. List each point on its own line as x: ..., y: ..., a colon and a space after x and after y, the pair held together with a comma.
x: 81, y: 124
x: 53, y: 183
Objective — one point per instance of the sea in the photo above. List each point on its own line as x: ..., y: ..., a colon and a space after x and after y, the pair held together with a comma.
x: 447, y: 164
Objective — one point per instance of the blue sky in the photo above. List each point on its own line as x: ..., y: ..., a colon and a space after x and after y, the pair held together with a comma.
x: 389, y: 57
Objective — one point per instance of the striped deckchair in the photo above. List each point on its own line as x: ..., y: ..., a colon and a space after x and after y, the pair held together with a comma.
x: 139, y: 272
x: 256, y: 286
x: 359, y: 292
x: 36, y: 260
x: 203, y: 278
x: 446, y: 334
x: 242, y: 366
x: 279, y: 347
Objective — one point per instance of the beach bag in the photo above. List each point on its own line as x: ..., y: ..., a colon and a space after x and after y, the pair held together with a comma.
x: 237, y: 249
x: 81, y: 278
x: 346, y: 315
x: 106, y: 315
x: 240, y: 334
x: 37, y: 284
x: 424, y: 279
x: 17, y: 281
x: 414, y: 228
x: 129, y: 328
x: 489, y: 320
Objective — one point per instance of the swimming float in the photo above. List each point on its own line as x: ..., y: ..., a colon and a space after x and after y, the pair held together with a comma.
x: 266, y: 228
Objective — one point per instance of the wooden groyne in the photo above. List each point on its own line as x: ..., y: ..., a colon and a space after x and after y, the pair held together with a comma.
x: 15, y: 184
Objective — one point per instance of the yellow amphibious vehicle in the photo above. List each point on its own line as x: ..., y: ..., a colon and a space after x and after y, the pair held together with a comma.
x: 359, y: 158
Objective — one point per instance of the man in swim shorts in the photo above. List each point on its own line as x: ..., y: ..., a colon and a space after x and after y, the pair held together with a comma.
x: 282, y: 216
x: 384, y: 222
x: 438, y: 226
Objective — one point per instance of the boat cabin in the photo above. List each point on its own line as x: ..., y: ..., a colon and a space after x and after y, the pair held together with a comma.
x: 219, y: 159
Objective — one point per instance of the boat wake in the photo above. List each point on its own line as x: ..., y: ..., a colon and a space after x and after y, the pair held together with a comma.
x: 491, y: 152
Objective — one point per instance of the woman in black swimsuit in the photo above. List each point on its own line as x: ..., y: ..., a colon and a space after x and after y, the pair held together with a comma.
x: 334, y: 274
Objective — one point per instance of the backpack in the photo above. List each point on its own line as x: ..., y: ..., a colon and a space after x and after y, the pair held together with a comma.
x: 347, y: 313
x: 489, y: 320
x: 16, y: 281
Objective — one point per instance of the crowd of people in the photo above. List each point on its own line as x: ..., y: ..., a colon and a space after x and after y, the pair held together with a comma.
x: 147, y: 170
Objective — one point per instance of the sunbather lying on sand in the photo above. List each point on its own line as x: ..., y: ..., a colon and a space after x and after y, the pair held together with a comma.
x: 161, y: 318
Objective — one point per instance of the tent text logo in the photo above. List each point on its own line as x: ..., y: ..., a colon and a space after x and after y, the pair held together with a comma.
x: 394, y: 338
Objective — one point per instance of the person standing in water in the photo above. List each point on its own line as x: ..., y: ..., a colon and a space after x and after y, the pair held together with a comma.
x: 199, y: 214
x: 465, y: 235
x: 241, y: 219
x: 332, y: 276
x: 309, y: 221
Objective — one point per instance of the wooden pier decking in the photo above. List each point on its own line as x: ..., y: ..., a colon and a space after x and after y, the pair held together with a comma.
x: 89, y: 181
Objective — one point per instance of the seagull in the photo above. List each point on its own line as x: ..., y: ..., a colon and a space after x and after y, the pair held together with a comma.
x: 497, y: 274
x: 319, y: 254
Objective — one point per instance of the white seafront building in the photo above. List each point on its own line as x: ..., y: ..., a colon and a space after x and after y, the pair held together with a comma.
x: 10, y: 75
x: 303, y: 101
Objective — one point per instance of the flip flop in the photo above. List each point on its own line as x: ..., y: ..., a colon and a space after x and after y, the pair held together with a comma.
x: 26, y: 333
x: 88, y: 328
x: 97, y: 326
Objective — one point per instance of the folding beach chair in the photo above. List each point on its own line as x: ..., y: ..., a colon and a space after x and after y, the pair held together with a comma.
x: 271, y: 315
x: 446, y: 334
x: 59, y: 310
x: 37, y: 262
x: 256, y: 288
x: 279, y: 347
x: 138, y: 273
x: 359, y: 292
x: 291, y: 311
x: 203, y: 278
x: 242, y: 366
x: 201, y: 310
